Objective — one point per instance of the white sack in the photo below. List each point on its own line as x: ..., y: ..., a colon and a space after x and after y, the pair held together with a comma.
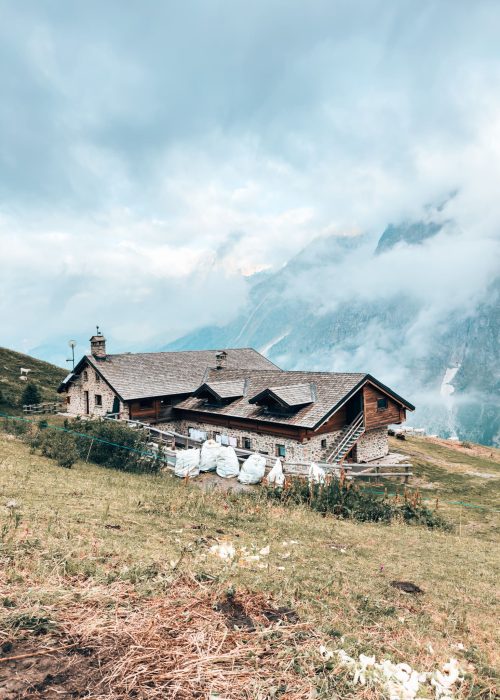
x: 227, y: 463
x: 187, y: 463
x: 316, y: 474
x: 252, y: 469
x: 276, y: 476
x: 209, y: 453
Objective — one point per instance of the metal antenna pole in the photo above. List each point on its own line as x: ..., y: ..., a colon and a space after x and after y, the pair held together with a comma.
x: 72, y: 344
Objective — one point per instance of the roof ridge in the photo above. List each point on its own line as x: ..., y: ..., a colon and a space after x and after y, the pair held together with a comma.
x: 174, y: 352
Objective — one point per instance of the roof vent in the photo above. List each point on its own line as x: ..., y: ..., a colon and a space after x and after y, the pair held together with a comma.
x: 220, y: 359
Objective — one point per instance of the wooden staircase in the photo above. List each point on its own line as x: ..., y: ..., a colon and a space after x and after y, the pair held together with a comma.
x: 346, y: 440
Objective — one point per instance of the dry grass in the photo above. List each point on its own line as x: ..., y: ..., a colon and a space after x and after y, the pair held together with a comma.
x: 181, y: 646
x: 114, y: 557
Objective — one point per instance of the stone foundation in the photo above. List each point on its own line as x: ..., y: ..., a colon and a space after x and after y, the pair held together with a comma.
x: 309, y: 450
x: 372, y: 445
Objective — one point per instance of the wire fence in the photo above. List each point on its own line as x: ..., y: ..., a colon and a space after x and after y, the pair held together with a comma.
x: 87, y: 436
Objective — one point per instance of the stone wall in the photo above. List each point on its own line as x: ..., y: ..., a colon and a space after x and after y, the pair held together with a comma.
x: 311, y: 449
x: 89, y: 380
x: 372, y: 445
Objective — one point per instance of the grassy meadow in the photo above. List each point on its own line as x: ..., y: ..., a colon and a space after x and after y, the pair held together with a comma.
x: 82, y: 548
x: 44, y: 375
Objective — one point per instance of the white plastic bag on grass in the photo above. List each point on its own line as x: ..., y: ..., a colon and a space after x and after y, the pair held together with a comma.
x: 316, y: 474
x: 252, y: 469
x: 209, y: 453
x: 276, y: 476
x: 187, y: 463
x: 227, y: 463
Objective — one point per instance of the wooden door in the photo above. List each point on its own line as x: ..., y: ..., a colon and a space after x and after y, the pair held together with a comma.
x: 87, y: 404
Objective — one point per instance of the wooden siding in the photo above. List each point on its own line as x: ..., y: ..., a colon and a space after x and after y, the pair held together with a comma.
x: 335, y: 422
x: 380, y: 417
x: 158, y: 411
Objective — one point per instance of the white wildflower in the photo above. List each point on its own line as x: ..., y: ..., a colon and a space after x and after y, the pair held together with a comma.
x: 401, y: 681
x: 444, y: 680
x: 325, y: 653
x: 225, y: 550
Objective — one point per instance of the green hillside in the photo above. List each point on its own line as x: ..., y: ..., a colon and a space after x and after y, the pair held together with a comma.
x: 118, y: 585
x: 45, y: 376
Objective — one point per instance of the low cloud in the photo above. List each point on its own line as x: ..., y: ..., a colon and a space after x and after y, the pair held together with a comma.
x: 150, y: 159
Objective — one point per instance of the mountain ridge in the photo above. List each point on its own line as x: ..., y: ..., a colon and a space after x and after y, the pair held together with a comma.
x: 446, y: 365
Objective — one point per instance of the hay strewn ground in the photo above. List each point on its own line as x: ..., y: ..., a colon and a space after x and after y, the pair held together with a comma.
x: 114, y: 574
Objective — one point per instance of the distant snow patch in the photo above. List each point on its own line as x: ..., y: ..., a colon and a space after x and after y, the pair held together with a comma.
x: 447, y: 389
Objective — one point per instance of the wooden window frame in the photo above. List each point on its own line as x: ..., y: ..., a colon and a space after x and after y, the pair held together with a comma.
x: 280, y: 448
x: 382, y: 403
x: 98, y: 399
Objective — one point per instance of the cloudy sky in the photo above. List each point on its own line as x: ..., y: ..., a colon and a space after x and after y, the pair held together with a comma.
x: 154, y: 155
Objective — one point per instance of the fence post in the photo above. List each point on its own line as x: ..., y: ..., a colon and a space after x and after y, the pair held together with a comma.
x: 88, y: 453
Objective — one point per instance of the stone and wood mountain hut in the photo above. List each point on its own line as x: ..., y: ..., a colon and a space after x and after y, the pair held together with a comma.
x: 239, y: 397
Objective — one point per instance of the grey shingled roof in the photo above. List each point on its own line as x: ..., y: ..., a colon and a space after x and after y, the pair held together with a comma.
x: 331, y: 388
x: 146, y: 375
x: 290, y: 395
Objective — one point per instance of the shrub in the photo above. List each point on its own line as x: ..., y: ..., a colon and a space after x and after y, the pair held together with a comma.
x: 59, y: 446
x: 345, y: 499
x: 31, y: 395
x: 115, y: 445
x: 15, y: 427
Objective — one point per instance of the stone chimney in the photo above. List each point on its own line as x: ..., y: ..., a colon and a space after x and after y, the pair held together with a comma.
x: 98, y: 345
x: 220, y: 359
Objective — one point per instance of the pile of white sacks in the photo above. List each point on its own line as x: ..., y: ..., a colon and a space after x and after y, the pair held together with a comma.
x: 224, y: 461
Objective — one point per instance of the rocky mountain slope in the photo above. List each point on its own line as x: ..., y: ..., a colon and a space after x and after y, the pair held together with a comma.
x: 392, y: 307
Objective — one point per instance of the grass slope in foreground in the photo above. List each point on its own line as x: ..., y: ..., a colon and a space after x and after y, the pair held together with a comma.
x: 113, y: 573
x: 45, y: 376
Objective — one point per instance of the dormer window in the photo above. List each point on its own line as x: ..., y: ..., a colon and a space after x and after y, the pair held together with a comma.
x: 220, y: 393
x: 285, y: 399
